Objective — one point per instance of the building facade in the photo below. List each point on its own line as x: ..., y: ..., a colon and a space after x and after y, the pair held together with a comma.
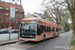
x: 5, y: 15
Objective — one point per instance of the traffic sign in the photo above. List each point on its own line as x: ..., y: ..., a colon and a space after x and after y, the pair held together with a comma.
x: 12, y: 12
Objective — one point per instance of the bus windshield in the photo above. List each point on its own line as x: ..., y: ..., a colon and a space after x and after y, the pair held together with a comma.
x: 28, y: 27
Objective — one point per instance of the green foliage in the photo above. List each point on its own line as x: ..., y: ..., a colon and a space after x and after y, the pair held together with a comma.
x: 67, y: 28
x: 73, y: 42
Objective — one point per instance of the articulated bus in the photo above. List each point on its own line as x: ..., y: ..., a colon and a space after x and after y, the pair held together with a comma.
x: 37, y: 29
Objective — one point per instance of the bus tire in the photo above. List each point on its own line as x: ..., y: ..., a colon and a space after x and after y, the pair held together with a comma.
x: 44, y: 38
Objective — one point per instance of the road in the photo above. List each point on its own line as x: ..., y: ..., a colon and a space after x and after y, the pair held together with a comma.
x: 59, y: 43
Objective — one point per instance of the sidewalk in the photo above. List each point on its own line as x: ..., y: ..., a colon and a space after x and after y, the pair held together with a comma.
x: 8, y: 42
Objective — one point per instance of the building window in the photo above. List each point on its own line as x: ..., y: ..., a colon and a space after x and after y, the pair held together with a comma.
x: 16, y: 10
x: 16, y: 15
x: 1, y: 19
x: 7, y: 14
x: 16, y: 20
x: 21, y: 10
x: 6, y: 19
x: 1, y: 7
x: 13, y: 20
x: 10, y: 20
x: 21, y: 15
x: 7, y: 8
x: 0, y: 13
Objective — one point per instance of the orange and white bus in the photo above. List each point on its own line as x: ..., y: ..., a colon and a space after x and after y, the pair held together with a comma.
x: 37, y: 29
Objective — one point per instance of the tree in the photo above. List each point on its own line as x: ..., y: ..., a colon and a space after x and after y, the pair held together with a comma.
x: 56, y: 12
x: 73, y: 17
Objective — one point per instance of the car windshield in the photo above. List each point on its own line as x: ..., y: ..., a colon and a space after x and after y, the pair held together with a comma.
x: 28, y: 27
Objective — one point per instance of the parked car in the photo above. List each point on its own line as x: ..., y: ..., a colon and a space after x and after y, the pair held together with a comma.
x: 4, y: 31
x: 15, y: 31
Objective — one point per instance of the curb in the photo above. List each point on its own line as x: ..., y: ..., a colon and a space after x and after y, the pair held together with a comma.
x: 9, y: 42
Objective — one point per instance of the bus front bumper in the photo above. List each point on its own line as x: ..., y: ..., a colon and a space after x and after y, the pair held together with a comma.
x: 27, y: 39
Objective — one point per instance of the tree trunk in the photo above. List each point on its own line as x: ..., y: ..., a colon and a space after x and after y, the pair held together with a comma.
x: 74, y: 17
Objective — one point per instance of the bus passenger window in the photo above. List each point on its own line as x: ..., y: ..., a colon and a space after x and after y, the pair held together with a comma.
x: 44, y: 28
x: 39, y: 29
x: 56, y: 29
x: 49, y: 29
x: 53, y: 29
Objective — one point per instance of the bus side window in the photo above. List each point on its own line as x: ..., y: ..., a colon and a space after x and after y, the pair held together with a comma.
x: 53, y: 29
x: 49, y: 29
x: 44, y: 28
x: 39, y: 29
x: 56, y: 29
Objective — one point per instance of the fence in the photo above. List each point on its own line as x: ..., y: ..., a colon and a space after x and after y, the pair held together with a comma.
x: 9, y: 36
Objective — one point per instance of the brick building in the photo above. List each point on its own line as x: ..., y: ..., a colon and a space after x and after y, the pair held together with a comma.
x: 5, y: 14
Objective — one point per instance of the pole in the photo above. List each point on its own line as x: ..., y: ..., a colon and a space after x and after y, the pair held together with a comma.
x: 20, y: 17
x: 10, y: 22
x: 0, y: 23
x: 20, y: 10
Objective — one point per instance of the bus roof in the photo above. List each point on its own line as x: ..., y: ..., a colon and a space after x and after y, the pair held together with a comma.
x: 29, y: 19
x: 46, y: 21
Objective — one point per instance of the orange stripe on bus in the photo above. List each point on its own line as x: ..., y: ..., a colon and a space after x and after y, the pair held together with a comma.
x: 30, y: 39
x: 24, y: 38
x: 33, y: 39
x: 19, y: 38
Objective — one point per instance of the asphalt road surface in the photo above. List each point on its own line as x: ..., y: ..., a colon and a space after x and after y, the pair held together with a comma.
x: 59, y: 43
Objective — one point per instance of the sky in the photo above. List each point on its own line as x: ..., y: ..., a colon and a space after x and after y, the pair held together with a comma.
x: 29, y: 6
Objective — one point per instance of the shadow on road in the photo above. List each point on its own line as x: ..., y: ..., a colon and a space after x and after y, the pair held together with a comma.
x: 34, y: 43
